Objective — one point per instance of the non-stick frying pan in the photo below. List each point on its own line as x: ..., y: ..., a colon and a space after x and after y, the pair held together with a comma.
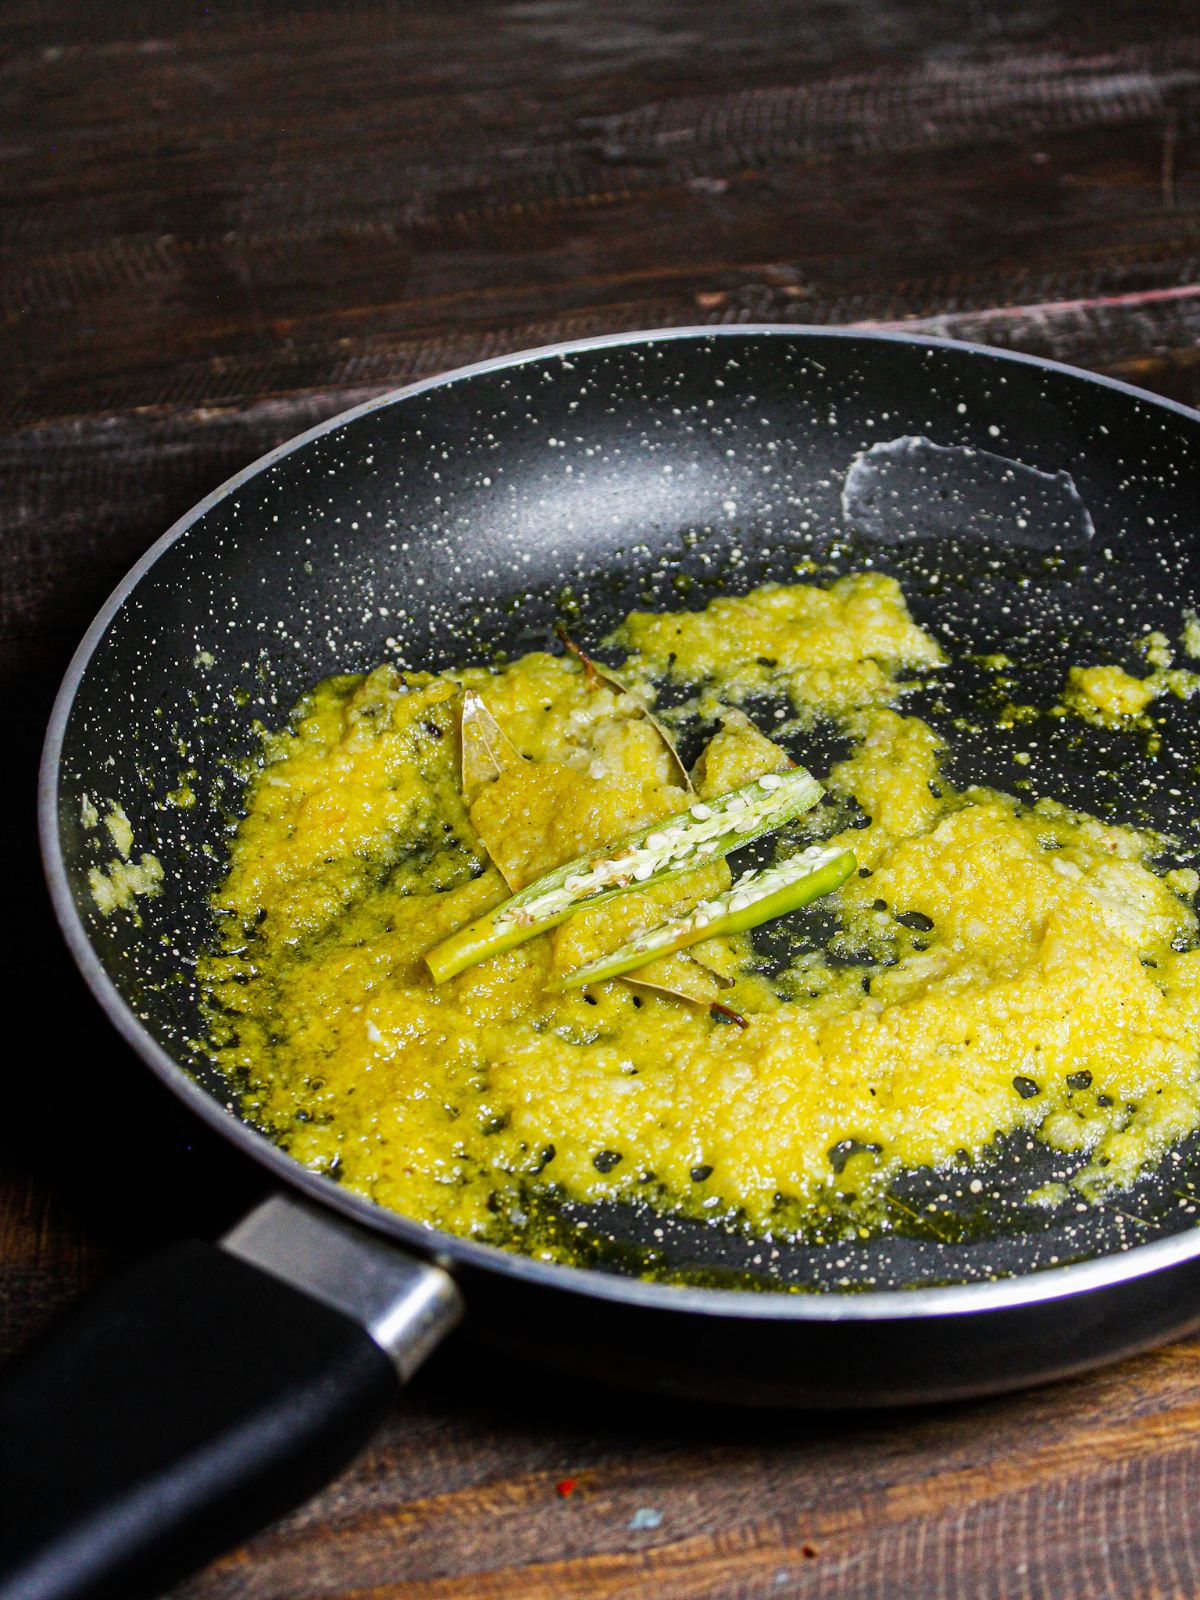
x: 1026, y: 508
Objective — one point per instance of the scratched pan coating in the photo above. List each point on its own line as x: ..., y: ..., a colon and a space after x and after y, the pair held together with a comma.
x: 466, y: 516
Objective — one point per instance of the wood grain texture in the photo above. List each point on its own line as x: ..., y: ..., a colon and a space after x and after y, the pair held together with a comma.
x: 1085, y: 1489
x: 220, y: 225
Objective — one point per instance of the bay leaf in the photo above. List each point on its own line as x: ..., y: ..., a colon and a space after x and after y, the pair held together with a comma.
x: 594, y: 674
x: 487, y: 751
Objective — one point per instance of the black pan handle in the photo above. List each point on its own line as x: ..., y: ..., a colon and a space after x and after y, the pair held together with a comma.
x: 199, y: 1396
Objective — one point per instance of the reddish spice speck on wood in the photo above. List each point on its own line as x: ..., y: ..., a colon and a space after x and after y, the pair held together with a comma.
x: 565, y: 1487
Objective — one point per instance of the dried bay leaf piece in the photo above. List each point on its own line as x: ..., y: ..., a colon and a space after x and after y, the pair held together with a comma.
x: 679, y: 978
x: 487, y: 751
x: 529, y: 816
x: 719, y: 957
x: 532, y: 817
x: 594, y: 674
x: 736, y: 754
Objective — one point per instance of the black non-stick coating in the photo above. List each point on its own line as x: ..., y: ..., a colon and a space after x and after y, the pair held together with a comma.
x: 467, y: 517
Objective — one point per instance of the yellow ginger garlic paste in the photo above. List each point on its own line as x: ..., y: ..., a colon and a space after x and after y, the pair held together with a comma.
x: 991, y: 967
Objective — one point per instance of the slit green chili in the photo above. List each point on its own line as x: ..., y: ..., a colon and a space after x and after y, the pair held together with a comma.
x: 755, y: 898
x: 693, y: 838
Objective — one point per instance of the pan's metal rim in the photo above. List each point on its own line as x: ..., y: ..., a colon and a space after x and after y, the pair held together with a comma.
x: 1007, y: 1293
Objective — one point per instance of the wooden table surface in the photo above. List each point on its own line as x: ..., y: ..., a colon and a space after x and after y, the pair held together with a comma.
x: 222, y: 223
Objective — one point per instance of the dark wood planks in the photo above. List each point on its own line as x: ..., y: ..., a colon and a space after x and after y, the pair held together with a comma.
x: 205, y: 214
x: 219, y: 226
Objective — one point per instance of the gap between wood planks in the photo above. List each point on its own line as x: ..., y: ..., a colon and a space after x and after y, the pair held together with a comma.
x: 1037, y: 327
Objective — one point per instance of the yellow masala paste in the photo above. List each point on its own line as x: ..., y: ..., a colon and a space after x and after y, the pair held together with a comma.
x: 991, y: 968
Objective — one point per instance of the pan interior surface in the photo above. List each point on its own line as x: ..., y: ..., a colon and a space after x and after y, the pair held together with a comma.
x: 1026, y: 511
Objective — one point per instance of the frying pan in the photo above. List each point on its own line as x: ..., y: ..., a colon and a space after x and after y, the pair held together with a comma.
x: 1026, y: 508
